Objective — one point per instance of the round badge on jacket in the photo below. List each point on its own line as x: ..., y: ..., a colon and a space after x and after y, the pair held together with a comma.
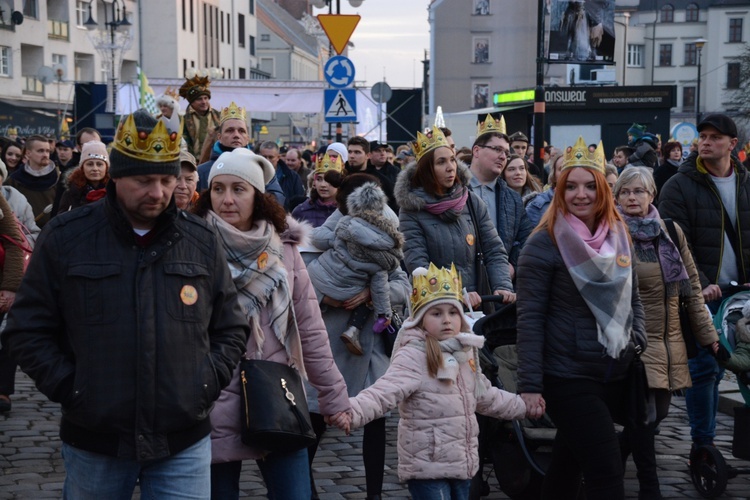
x: 189, y: 295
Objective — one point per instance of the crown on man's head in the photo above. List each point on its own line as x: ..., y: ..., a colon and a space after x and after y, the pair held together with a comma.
x: 434, y: 283
x: 579, y: 155
x: 173, y: 93
x: 427, y: 142
x: 160, y: 146
x: 232, y: 112
x: 491, y: 125
x: 326, y: 163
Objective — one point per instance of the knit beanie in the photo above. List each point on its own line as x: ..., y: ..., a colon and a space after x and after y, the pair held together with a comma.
x: 637, y: 130
x: 94, y: 150
x: 3, y: 169
x: 340, y: 149
x: 246, y: 165
x: 136, y: 152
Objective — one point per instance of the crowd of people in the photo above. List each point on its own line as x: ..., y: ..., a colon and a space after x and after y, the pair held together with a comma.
x: 171, y: 253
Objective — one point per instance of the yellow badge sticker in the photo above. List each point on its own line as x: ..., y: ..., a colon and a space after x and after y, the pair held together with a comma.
x: 472, y: 364
x: 470, y: 239
x: 189, y: 295
x: 623, y: 260
x: 262, y: 260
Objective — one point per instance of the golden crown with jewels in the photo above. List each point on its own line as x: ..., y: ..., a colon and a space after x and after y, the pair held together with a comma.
x: 579, y: 155
x: 491, y: 125
x: 173, y: 93
x: 160, y: 146
x: 427, y: 142
x: 232, y: 112
x: 434, y: 283
x: 326, y: 163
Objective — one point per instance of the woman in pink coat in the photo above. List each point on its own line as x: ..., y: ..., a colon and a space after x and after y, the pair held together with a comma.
x: 276, y: 295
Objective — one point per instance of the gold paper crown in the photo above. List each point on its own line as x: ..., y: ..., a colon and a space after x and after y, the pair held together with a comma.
x: 326, y: 163
x: 434, y: 283
x: 232, y: 112
x: 579, y: 155
x: 173, y: 93
x: 160, y: 146
x: 491, y: 125
x: 427, y: 142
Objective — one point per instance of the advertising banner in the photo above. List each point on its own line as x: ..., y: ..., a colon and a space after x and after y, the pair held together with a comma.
x: 582, y: 31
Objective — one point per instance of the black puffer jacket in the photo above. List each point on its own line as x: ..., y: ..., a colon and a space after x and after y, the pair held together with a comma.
x: 136, y: 342
x: 557, y: 333
x: 692, y: 200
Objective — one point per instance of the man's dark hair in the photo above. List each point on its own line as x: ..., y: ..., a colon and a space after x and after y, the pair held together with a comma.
x: 359, y: 141
x: 269, y: 145
x: 86, y: 130
x: 483, y: 139
x: 33, y: 138
x: 626, y: 150
x: 446, y: 131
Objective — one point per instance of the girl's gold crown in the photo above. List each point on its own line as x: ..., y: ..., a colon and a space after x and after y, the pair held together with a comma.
x: 326, y: 163
x: 434, y: 283
x: 579, y: 155
x: 491, y: 125
x: 232, y: 112
x: 427, y: 142
x: 160, y: 146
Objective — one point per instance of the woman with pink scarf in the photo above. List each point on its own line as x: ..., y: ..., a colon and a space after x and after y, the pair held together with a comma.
x: 443, y: 222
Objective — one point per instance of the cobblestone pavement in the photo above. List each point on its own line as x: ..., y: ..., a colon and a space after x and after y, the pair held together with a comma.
x: 32, y: 467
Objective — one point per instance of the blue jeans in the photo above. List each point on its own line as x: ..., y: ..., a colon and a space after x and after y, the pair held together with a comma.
x: 702, y: 399
x: 94, y: 476
x: 287, y: 477
x: 439, y: 489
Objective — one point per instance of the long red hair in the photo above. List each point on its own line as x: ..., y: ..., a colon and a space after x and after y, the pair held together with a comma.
x: 604, y: 208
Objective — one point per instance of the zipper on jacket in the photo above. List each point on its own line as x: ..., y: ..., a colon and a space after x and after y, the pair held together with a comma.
x: 244, y: 393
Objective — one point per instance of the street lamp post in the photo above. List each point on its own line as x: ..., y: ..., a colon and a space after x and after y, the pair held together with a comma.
x: 699, y: 43
x: 111, y: 42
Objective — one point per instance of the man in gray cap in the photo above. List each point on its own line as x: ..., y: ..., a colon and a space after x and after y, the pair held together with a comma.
x: 129, y: 318
x: 709, y: 197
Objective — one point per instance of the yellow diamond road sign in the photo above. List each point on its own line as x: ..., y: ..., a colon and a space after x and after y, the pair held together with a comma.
x: 338, y: 28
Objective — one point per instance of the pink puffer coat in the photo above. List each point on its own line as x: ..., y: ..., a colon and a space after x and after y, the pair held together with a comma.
x: 437, y: 433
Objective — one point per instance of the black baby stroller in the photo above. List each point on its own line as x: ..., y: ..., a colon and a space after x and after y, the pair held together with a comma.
x: 518, y: 451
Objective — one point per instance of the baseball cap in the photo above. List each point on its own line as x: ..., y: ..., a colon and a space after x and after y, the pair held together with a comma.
x: 720, y: 122
x: 375, y: 145
x: 65, y: 144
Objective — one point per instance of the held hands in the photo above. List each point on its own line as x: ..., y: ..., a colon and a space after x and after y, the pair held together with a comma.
x: 342, y: 420
x: 711, y: 293
x: 362, y: 297
x: 508, y: 297
x: 535, y: 405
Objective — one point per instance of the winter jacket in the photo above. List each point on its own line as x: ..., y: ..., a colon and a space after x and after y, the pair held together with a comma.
x: 537, y: 205
x: 226, y: 444
x: 557, y: 333
x: 314, y: 212
x: 513, y: 225
x: 134, y: 338
x: 39, y: 191
x: 11, y: 272
x: 692, y: 200
x: 74, y: 197
x: 23, y: 212
x: 664, y: 172
x: 666, y: 356
x: 437, y: 429
x: 428, y: 238
x: 290, y: 182
x: 644, y: 156
x: 740, y: 360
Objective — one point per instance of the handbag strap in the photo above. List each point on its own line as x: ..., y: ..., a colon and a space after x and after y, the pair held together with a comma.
x: 731, y: 232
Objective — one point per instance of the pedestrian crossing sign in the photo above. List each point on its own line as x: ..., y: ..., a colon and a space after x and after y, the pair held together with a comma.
x: 340, y: 105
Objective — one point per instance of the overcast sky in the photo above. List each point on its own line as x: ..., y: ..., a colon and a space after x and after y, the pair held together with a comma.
x: 389, y: 40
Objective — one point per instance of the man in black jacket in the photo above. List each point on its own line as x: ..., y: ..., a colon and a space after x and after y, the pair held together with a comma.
x: 128, y: 317
x: 709, y: 198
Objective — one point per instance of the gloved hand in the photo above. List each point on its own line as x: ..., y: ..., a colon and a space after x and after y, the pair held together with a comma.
x: 723, y: 354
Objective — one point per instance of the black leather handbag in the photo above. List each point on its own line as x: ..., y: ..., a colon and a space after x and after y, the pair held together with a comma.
x: 273, y: 408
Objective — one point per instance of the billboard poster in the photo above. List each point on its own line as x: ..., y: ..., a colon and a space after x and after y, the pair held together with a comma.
x: 582, y: 31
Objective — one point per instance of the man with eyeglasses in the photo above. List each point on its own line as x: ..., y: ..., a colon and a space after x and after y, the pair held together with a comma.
x: 489, y: 156
x: 709, y: 197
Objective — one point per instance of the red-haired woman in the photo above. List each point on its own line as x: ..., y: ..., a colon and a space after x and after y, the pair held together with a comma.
x: 87, y: 182
x: 578, y: 303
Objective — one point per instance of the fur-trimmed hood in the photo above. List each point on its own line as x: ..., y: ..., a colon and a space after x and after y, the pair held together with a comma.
x: 408, y: 199
x: 297, y: 233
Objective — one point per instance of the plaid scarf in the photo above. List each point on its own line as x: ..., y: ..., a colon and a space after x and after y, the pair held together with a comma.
x: 255, y: 259
x: 603, y: 277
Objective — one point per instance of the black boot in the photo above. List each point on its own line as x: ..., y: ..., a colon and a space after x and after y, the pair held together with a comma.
x: 644, y: 456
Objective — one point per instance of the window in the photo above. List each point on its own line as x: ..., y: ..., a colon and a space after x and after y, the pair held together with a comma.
x: 665, y: 54
x: 692, y: 13
x: 240, y: 30
x: 229, y: 28
x: 691, y: 54
x: 243, y: 75
x: 735, y: 30
x: 184, y: 66
x: 82, y: 13
x: 221, y: 17
x: 252, y: 45
x: 5, y: 54
x: 733, y: 75
x: 60, y: 59
x: 688, y: 98
x: 265, y: 37
x: 30, y: 9
x: 635, y: 55
x: 184, y: 16
x: 481, y: 50
x: 481, y: 8
x: 192, y: 18
x: 251, y: 8
x: 666, y: 14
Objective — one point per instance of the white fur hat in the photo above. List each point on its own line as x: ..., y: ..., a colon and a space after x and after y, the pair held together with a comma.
x: 339, y: 148
x: 246, y: 165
